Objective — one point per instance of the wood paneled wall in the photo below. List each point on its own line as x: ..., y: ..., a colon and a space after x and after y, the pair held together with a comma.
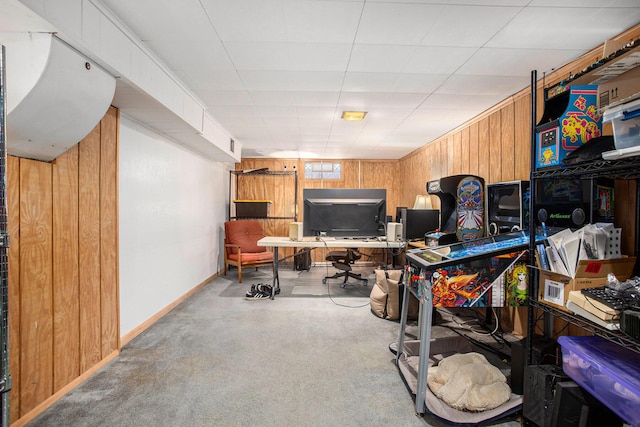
x: 355, y: 174
x: 63, y: 271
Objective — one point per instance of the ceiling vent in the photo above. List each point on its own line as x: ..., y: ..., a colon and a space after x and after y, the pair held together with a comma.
x: 55, y: 96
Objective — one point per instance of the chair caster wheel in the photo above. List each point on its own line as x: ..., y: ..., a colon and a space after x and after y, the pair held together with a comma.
x: 365, y: 283
x: 342, y: 285
x: 324, y: 281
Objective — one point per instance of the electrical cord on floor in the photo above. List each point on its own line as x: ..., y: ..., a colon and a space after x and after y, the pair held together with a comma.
x: 326, y: 248
x: 463, y: 326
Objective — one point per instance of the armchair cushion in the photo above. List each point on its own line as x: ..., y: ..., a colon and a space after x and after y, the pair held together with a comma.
x: 253, y: 257
x: 245, y: 234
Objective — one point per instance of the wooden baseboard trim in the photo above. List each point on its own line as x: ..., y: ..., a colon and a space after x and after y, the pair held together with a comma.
x: 143, y: 326
x: 29, y: 416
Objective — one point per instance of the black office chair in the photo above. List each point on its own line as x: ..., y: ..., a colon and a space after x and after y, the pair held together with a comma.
x: 342, y: 261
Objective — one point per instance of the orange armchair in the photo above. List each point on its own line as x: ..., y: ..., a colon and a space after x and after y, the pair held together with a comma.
x: 240, y: 246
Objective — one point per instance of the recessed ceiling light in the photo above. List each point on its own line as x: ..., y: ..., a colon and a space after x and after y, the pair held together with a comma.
x: 353, y: 115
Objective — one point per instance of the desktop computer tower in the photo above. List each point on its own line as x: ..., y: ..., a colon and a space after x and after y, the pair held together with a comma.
x: 539, y: 392
x: 543, y: 350
x: 575, y: 407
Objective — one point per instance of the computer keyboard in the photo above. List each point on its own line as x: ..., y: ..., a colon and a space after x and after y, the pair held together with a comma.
x: 617, y: 300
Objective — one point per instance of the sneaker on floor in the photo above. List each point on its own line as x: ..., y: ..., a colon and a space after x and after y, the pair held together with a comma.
x: 264, y: 288
x: 258, y: 295
x: 252, y: 291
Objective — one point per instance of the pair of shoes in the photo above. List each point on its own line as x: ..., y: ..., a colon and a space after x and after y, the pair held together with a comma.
x: 258, y: 291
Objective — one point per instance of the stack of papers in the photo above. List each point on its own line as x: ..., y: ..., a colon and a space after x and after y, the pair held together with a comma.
x: 566, y: 248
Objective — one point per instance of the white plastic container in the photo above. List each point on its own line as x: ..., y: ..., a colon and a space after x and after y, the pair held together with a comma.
x: 625, y: 119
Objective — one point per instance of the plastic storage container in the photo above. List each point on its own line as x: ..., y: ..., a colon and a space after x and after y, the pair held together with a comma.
x: 625, y: 119
x: 252, y: 208
x: 608, y: 371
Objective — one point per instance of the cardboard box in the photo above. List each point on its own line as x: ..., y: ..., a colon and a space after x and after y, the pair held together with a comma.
x: 554, y: 288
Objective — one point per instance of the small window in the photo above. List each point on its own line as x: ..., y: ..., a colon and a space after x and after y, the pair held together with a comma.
x: 323, y: 170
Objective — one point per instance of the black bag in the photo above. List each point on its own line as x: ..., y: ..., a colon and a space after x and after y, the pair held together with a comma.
x: 302, y: 259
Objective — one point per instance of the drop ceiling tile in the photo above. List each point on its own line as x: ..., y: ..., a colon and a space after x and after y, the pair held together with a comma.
x: 515, y: 62
x: 316, y: 81
x: 164, y: 19
x: 418, y: 83
x: 319, y: 56
x: 266, y: 80
x: 386, y: 114
x: 236, y: 113
x: 381, y: 58
x: 321, y: 21
x: 362, y: 100
x: 483, y: 85
x: 204, y: 79
x: 451, y: 101
x: 259, y: 55
x: 316, y: 99
x: 438, y: 60
x: 405, y: 100
x: 273, y: 98
x: 582, y: 3
x: 192, y: 54
x: 468, y: 25
x: 247, y: 20
x: 396, y: 23
x: 369, y: 82
x: 321, y: 114
x: 225, y: 97
x: 544, y: 28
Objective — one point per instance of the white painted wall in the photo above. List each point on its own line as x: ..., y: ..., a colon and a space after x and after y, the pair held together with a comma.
x: 173, y: 204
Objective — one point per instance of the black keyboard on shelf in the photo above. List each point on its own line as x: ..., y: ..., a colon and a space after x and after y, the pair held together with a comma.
x: 617, y: 300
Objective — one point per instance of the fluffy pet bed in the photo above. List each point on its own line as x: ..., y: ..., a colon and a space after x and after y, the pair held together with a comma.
x: 468, y: 382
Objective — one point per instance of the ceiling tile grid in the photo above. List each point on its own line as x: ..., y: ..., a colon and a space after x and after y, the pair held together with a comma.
x: 277, y: 74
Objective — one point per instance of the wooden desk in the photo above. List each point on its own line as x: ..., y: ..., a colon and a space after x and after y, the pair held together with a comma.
x: 318, y: 242
x: 416, y: 244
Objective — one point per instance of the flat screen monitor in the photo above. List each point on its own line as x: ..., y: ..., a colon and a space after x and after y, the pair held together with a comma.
x: 417, y: 222
x: 344, y: 212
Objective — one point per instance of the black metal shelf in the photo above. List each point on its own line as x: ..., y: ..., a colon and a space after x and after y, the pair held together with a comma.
x: 584, y: 324
x: 261, y: 172
x: 620, y: 169
x: 236, y: 175
x: 628, y: 168
x: 264, y: 217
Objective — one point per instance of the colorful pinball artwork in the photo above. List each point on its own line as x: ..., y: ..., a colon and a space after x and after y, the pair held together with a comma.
x: 467, y: 285
x: 517, y: 278
x: 470, y: 209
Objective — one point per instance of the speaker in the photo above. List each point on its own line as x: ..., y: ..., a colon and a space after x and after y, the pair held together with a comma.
x: 539, y: 391
x: 394, y: 232
x: 295, y: 231
x: 573, y: 202
x: 575, y: 407
x: 630, y: 322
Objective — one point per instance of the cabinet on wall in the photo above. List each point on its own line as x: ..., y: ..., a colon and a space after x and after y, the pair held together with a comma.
x: 263, y: 194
